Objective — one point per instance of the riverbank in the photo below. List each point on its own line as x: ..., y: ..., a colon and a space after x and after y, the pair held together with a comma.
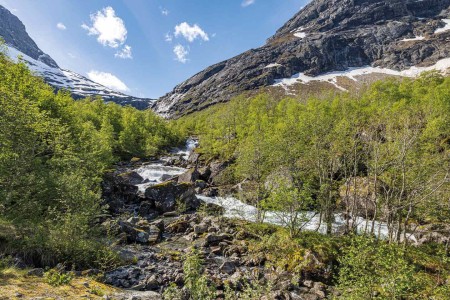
x: 165, y: 212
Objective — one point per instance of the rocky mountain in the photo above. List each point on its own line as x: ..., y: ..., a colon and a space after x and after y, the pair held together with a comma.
x: 21, y: 45
x: 332, y: 42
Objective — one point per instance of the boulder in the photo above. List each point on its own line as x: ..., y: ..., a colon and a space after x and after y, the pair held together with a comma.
x: 189, y: 176
x: 134, y: 235
x: 213, y: 209
x: 358, y: 195
x: 213, y: 239
x: 155, y: 234
x: 193, y: 158
x: 166, y: 195
x: 119, y: 189
x: 216, y: 168
x: 147, y: 210
x: 159, y: 224
x: 152, y: 283
x: 36, y: 272
x: 204, y: 173
x: 200, y: 228
x: 131, y: 177
x: 228, y: 267
x: 178, y: 226
x: 211, y: 192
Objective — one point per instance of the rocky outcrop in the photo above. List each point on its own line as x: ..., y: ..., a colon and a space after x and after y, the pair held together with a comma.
x: 225, y: 251
x: 166, y: 196
x: 324, y: 36
x: 359, y: 197
x: 120, y: 190
x: 14, y: 33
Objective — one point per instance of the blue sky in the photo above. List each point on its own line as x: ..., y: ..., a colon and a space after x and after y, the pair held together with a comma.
x: 146, y: 47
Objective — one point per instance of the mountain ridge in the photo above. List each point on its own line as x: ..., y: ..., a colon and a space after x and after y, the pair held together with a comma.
x: 22, y: 47
x: 324, y: 36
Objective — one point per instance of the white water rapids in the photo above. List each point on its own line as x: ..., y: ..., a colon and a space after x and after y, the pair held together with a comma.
x: 157, y: 172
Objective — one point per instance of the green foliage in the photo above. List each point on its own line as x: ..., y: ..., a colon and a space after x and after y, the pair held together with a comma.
x: 396, y: 134
x: 172, y: 292
x: 56, y: 278
x: 253, y: 290
x: 195, y: 281
x: 53, y: 153
x: 290, y: 204
x: 374, y: 270
x: 6, y: 262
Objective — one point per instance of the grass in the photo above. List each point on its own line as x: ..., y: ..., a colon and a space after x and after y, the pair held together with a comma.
x: 14, y: 282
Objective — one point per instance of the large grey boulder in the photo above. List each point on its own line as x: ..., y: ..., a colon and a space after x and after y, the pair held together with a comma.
x: 167, y: 195
x: 190, y: 176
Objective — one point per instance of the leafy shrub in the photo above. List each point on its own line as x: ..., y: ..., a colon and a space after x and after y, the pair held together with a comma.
x: 371, y: 268
x: 57, y: 278
x: 197, y: 285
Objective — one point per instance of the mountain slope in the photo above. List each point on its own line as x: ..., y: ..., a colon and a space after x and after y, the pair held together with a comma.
x: 384, y: 37
x: 20, y: 44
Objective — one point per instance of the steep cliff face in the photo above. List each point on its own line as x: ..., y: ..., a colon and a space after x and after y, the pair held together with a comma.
x: 325, y: 36
x: 14, y: 33
x: 20, y: 44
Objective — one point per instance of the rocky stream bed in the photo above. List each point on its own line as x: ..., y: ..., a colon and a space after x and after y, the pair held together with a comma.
x: 164, y: 208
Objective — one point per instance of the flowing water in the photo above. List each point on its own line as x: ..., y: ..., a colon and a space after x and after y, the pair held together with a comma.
x: 157, y: 172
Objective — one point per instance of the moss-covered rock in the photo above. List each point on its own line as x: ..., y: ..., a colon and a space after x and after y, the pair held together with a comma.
x: 166, y: 196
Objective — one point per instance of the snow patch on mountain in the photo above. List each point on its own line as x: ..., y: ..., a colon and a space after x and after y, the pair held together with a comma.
x: 417, y: 38
x: 445, y: 28
x: 272, y: 66
x: 353, y: 73
x: 77, y: 84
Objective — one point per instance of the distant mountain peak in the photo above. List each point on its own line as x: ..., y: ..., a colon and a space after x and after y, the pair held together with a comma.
x: 19, y: 43
x: 326, y: 36
x: 15, y: 34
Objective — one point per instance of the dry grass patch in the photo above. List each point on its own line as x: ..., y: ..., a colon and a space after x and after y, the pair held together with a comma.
x: 16, y: 284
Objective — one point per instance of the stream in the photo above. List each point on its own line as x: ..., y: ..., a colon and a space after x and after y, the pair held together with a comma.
x: 157, y: 172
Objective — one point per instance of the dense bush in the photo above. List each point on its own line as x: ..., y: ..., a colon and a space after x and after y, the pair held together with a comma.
x: 53, y: 153
x: 390, y: 144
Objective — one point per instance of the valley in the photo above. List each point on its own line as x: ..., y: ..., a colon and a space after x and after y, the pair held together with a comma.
x: 314, y: 167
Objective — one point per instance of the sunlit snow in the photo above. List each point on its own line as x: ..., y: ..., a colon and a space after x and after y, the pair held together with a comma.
x: 417, y: 38
x: 352, y: 73
x: 64, y: 79
x: 445, y: 28
x: 272, y: 65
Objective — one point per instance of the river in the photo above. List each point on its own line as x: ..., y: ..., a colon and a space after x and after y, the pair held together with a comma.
x: 157, y: 172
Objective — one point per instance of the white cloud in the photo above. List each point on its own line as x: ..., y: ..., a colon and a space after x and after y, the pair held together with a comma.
x: 108, y: 80
x: 190, y: 33
x: 124, y: 53
x: 71, y: 55
x: 181, y: 53
x: 109, y: 29
x: 61, y: 26
x: 246, y: 3
x: 168, y: 37
x: 164, y: 11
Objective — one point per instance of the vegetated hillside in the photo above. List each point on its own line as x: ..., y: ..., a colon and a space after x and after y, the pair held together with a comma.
x: 392, y: 142
x: 54, y: 151
x: 22, y: 45
x: 326, y: 36
x: 382, y: 155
